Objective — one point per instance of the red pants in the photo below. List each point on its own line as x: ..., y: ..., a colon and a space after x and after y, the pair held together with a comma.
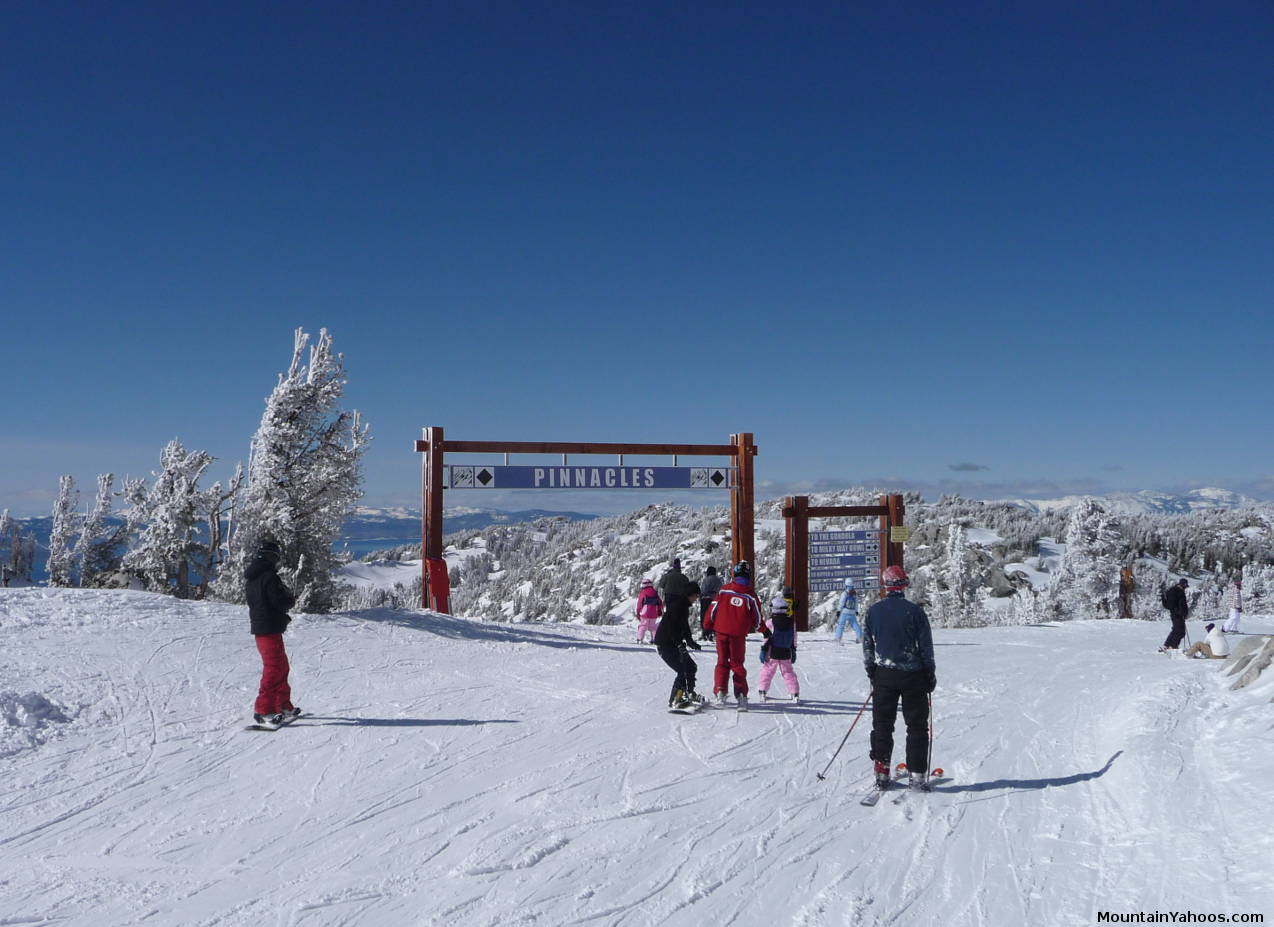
x: 731, y: 650
x: 275, y: 694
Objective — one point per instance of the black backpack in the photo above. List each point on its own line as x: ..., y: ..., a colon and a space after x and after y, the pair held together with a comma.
x: 1163, y: 597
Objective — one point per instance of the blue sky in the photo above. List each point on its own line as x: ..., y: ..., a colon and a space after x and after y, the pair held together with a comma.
x: 990, y: 248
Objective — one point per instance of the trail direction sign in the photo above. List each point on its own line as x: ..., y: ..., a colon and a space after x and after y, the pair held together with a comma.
x: 835, y: 556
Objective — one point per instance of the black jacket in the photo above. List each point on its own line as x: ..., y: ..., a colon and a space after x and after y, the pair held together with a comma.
x: 674, y: 585
x: 674, y: 629
x: 1176, y: 602
x: 896, y: 634
x: 268, y: 599
x: 783, y: 638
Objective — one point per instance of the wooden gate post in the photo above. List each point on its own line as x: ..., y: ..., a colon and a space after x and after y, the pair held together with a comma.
x: 742, y: 502
x: 434, y: 595
x: 796, y: 563
x: 897, y: 516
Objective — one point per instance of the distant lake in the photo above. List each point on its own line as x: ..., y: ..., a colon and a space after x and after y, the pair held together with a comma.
x: 360, y: 546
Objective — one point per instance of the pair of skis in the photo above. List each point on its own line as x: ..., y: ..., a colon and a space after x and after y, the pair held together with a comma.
x: 873, y: 796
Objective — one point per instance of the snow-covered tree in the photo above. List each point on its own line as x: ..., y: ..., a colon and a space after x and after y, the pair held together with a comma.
x: 216, y: 507
x: 304, y: 478
x: 8, y: 545
x: 954, y: 595
x: 95, y: 550
x: 60, y: 560
x: 162, y: 555
x: 1086, y: 584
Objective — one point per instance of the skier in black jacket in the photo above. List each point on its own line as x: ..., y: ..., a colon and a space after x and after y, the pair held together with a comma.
x: 268, y: 604
x: 1175, y: 601
x: 898, y: 654
x: 708, y: 590
x: 671, y: 640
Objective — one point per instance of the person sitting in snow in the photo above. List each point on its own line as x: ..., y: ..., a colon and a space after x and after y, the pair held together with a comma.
x: 671, y: 640
x: 268, y: 604
x: 780, y: 643
x: 649, y: 608
x: 1216, y: 647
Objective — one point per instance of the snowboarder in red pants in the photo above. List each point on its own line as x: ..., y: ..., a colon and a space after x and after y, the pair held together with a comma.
x: 268, y: 604
x: 735, y: 614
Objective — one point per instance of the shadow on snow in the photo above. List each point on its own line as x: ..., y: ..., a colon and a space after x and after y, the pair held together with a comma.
x: 323, y: 721
x: 463, y: 629
x: 1026, y: 785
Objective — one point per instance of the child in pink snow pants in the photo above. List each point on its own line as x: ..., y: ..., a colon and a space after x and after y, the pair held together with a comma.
x: 780, y: 635
x: 649, y: 608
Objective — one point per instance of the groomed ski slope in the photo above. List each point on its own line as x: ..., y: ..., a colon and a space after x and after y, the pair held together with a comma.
x: 466, y: 773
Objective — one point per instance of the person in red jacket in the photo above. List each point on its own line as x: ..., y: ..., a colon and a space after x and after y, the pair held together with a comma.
x: 735, y: 614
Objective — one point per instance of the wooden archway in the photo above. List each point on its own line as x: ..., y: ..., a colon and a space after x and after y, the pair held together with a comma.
x: 435, y: 587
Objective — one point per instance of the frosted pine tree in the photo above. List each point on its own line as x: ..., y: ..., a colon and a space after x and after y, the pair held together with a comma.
x: 8, y: 546
x: 61, y: 562
x: 304, y: 478
x: 1087, y: 581
x: 162, y: 555
x: 953, y: 596
x: 217, y: 504
x: 95, y: 550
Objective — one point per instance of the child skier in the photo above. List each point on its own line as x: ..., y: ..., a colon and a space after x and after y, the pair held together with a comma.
x: 848, y: 608
x: 649, y: 608
x: 780, y: 637
x: 671, y: 640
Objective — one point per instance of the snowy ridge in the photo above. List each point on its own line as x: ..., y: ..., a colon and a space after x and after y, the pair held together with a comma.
x: 1147, y: 502
x: 460, y: 772
x: 971, y: 563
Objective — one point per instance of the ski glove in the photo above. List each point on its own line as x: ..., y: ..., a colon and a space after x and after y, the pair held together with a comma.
x: 871, y: 673
x: 931, y: 681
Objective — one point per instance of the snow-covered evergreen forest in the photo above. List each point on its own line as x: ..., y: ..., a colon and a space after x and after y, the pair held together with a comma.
x: 972, y: 563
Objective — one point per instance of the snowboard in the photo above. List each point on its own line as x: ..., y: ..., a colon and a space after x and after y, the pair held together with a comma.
x: 287, y: 719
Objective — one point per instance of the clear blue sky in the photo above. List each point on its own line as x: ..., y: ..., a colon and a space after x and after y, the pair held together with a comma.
x: 995, y: 248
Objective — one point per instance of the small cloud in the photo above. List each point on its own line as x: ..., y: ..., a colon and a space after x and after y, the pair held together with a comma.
x: 1112, y: 468
x: 967, y: 467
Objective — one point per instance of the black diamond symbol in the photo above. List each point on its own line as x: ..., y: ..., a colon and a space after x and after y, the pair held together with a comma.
x: 485, y: 476
x: 717, y: 477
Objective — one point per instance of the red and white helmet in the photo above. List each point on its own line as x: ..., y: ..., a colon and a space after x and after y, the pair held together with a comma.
x: 894, y: 577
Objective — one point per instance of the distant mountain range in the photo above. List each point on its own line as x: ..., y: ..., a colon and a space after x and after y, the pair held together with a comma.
x: 1148, y: 502
x: 373, y: 523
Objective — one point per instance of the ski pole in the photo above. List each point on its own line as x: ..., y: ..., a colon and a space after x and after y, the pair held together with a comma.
x: 929, y: 762
x: 823, y: 775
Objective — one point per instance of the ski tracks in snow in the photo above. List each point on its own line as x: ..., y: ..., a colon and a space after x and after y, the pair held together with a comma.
x: 532, y: 776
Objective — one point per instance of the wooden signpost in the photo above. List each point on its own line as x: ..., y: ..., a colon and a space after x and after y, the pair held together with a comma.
x: 837, y: 559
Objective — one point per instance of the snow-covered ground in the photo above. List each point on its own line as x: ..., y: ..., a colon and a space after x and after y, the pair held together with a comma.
x: 466, y: 773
